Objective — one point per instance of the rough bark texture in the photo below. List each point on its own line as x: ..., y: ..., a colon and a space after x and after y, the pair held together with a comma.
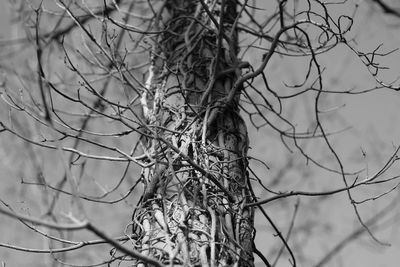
x: 192, y: 210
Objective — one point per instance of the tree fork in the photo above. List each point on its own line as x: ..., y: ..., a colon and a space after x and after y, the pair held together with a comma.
x: 184, y: 216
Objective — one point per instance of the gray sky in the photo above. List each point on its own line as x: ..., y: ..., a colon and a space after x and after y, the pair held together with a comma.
x: 375, y: 128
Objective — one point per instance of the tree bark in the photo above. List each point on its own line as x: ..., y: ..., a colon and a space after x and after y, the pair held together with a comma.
x: 192, y: 212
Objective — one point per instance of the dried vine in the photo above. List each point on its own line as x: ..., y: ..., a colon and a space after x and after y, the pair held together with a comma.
x: 185, y: 217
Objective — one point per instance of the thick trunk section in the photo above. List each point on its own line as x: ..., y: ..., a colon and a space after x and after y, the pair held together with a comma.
x: 192, y: 211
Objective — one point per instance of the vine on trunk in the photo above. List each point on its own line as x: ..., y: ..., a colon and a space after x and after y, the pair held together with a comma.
x: 193, y: 210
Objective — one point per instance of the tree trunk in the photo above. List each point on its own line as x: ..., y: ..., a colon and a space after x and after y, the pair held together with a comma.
x: 192, y: 212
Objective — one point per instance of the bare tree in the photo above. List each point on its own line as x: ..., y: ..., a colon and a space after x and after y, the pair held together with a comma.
x: 158, y: 93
